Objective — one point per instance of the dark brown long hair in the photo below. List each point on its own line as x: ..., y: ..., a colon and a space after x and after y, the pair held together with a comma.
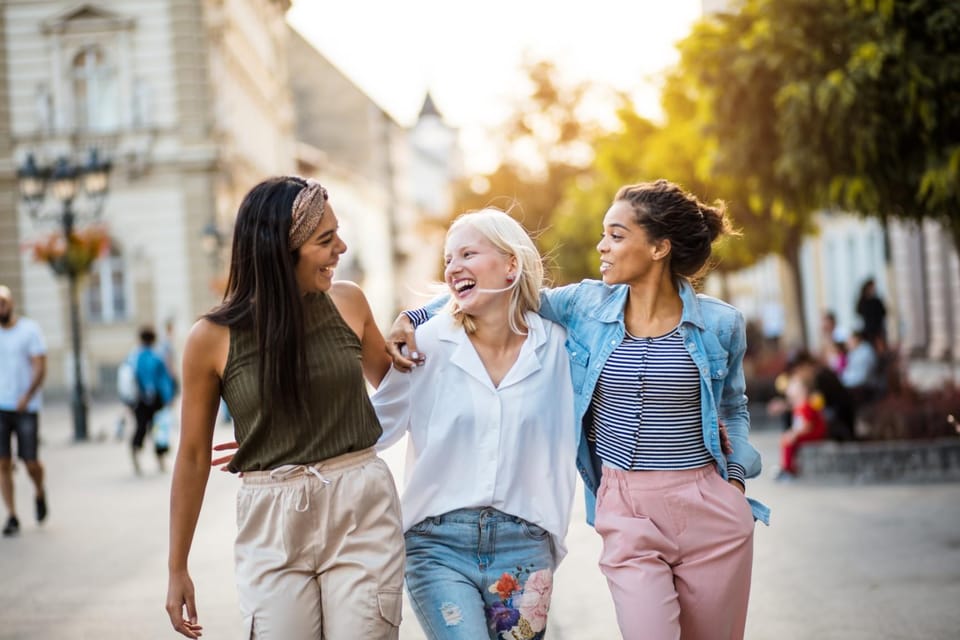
x: 262, y: 292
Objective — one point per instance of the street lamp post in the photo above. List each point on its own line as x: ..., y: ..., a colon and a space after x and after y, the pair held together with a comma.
x: 63, y: 181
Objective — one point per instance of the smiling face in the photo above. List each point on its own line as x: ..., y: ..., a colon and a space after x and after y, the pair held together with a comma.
x: 627, y: 255
x: 320, y: 254
x: 472, y: 265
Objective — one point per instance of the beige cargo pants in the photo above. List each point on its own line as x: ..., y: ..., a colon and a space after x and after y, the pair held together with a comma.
x: 319, y: 551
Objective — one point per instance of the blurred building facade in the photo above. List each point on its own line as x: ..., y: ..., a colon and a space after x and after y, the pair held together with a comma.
x: 915, y: 268
x: 390, y: 183
x: 927, y: 289
x: 194, y: 102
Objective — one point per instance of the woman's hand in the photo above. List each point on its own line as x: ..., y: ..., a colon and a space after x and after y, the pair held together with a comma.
x: 224, y: 460
x: 725, y: 445
x: 180, y: 595
x: 402, y: 334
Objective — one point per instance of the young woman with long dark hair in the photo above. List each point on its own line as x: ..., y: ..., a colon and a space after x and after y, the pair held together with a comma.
x: 319, y: 549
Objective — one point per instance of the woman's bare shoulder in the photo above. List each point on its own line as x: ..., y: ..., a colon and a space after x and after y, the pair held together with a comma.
x: 346, y: 289
x: 207, y: 342
x: 349, y: 298
x: 207, y: 333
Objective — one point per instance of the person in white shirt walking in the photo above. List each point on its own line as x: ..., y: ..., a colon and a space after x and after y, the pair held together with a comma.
x: 492, y: 442
x: 23, y: 366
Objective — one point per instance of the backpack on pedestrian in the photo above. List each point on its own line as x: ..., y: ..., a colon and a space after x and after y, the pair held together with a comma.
x: 128, y: 389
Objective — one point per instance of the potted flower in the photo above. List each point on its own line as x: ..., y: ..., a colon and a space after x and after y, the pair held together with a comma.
x: 74, y: 254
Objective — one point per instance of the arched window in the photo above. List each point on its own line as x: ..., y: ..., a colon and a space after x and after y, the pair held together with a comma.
x: 96, y: 101
x: 106, y: 292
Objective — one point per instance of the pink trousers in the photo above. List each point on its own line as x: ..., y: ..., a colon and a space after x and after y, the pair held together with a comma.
x: 677, y: 553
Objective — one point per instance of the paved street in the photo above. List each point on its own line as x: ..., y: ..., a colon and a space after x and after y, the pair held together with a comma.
x: 839, y: 562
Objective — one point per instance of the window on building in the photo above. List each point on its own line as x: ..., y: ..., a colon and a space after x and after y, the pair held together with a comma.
x: 95, y: 97
x: 106, y: 292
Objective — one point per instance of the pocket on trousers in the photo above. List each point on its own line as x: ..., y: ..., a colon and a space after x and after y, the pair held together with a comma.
x: 390, y: 604
x: 737, y: 501
x: 534, y: 531
x: 422, y: 528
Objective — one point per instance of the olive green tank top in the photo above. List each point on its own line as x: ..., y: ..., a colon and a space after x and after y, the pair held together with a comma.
x: 342, y: 418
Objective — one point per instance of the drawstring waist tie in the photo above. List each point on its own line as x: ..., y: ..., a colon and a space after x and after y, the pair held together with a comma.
x: 306, y: 474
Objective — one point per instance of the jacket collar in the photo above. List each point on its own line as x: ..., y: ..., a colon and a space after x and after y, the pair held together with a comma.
x: 691, y: 305
x: 611, y: 308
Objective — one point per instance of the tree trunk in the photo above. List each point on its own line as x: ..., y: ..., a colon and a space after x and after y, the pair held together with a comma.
x: 791, y: 253
x: 954, y: 225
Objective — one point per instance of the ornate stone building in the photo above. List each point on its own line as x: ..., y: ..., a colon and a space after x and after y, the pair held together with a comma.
x: 194, y: 102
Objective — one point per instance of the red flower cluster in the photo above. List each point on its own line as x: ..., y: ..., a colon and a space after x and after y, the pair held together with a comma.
x: 74, y: 254
x: 507, y: 585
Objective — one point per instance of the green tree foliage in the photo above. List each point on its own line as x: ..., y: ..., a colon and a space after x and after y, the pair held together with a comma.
x: 740, y: 64
x: 639, y: 150
x: 875, y: 128
x: 577, y: 224
x: 828, y: 103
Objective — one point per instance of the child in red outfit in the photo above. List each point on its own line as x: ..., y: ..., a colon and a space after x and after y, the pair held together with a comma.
x: 808, y: 425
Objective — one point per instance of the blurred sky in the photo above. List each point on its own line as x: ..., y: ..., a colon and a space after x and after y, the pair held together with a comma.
x: 468, y: 54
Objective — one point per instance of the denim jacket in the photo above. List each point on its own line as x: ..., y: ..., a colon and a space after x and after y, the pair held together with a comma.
x: 715, y: 337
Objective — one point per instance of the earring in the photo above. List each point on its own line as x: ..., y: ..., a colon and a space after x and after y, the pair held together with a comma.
x: 510, y: 278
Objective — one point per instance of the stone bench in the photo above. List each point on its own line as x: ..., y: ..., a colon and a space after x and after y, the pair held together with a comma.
x: 881, y: 460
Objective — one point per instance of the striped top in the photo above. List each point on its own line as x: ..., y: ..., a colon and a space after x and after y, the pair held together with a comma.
x: 341, y: 415
x: 646, y: 407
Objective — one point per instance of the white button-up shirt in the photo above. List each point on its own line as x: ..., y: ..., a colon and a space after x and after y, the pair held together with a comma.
x: 474, y: 445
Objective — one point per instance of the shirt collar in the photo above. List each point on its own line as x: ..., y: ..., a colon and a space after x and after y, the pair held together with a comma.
x: 465, y: 356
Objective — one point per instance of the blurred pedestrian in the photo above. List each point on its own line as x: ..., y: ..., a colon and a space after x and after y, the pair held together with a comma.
x: 23, y: 366
x: 166, y: 349
x: 808, y: 423
x: 492, y: 442
x: 154, y: 392
x: 835, y: 400
x: 319, y: 549
x: 656, y: 368
x: 862, y: 374
x: 833, y: 350
x: 873, y: 315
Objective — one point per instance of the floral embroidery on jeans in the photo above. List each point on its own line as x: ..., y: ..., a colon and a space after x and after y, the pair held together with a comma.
x: 521, y: 613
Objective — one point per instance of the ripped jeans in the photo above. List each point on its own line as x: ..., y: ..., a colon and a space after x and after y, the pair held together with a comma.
x: 476, y: 573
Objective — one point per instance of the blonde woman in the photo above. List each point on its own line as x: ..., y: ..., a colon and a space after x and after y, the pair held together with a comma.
x: 492, y: 441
